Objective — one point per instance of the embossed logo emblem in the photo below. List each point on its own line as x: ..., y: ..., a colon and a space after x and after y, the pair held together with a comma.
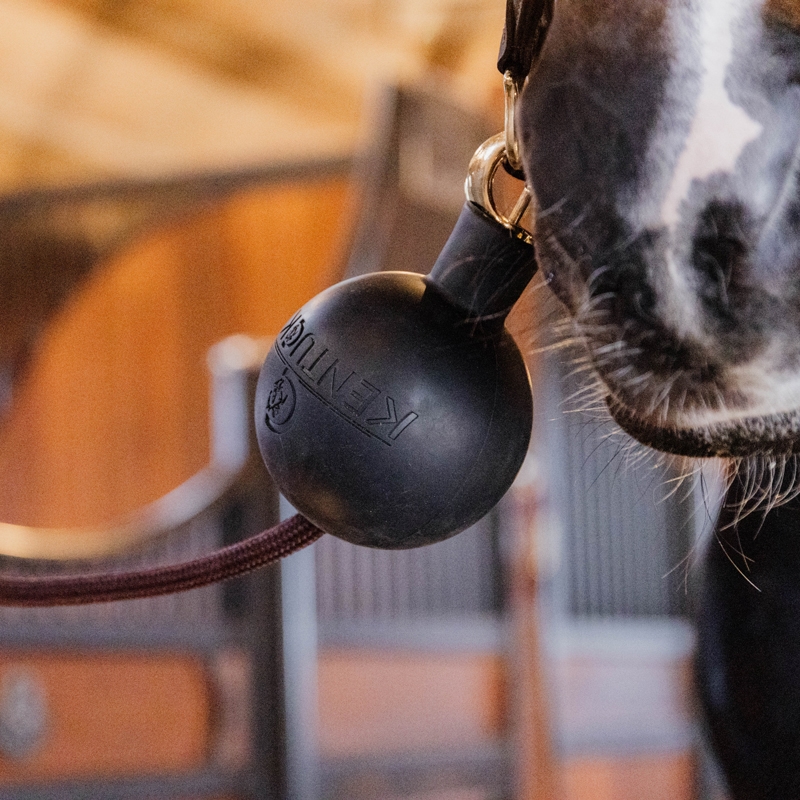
x: 293, y: 331
x: 281, y: 403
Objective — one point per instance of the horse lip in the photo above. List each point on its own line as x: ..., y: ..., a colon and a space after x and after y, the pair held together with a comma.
x: 777, y: 435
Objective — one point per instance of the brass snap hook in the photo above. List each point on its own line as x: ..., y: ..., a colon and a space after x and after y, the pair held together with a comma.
x: 479, y: 187
x: 511, y: 89
x: 500, y: 150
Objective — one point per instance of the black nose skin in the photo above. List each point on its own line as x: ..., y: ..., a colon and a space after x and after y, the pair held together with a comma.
x: 719, y: 257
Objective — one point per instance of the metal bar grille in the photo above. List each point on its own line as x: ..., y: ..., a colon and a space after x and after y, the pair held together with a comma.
x: 626, y: 532
x: 458, y: 577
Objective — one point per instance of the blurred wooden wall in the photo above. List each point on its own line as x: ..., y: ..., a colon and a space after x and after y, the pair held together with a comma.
x: 114, y: 411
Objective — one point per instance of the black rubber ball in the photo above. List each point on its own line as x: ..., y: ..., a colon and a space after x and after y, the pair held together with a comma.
x: 389, y: 419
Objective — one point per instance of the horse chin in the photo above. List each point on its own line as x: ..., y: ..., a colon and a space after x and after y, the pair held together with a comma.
x: 775, y: 435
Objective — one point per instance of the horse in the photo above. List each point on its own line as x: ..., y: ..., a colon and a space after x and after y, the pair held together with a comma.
x: 661, y: 143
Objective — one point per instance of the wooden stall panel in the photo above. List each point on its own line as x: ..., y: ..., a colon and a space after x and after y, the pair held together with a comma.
x: 378, y: 702
x: 654, y: 777
x: 114, y: 412
x: 109, y: 715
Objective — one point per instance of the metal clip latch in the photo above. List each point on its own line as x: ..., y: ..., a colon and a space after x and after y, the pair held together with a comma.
x: 500, y: 150
x: 479, y: 186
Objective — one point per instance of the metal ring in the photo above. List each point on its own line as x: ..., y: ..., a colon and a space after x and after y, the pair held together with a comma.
x: 479, y: 186
x: 483, y: 167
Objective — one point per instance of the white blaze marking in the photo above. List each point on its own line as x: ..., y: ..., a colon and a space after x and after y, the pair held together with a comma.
x: 720, y: 130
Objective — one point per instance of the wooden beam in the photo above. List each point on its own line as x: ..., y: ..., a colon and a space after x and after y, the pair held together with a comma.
x: 90, y: 89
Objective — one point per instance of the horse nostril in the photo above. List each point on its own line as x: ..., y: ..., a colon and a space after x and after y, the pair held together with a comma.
x: 715, y: 259
x: 719, y: 250
x: 643, y: 301
x: 633, y: 298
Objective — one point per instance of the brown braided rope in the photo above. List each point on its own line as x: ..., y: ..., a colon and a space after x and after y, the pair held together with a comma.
x: 264, y: 548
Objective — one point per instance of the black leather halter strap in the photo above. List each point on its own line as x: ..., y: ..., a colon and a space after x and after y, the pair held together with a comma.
x: 527, y: 22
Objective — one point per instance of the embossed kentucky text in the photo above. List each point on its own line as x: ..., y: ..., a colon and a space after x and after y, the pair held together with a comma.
x: 342, y: 389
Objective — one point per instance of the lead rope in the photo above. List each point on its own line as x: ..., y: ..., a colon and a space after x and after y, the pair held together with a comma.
x: 526, y: 26
x: 70, y: 590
